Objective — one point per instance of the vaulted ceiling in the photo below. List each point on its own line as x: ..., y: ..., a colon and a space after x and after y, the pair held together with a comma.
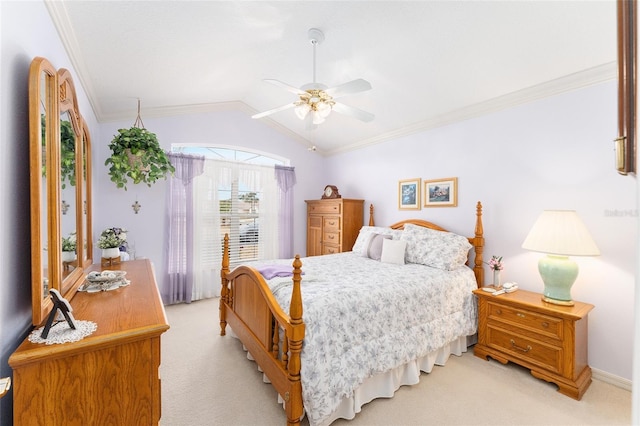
x: 429, y: 62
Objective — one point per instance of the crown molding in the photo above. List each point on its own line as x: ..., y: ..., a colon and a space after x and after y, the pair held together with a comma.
x: 596, y: 75
x: 60, y: 17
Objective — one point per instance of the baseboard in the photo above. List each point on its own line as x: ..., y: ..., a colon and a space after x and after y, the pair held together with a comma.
x: 612, y: 379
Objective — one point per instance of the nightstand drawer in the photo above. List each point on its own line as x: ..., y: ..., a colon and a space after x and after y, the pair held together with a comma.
x: 543, y: 355
x: 536, y: 322
x: 331, y: 223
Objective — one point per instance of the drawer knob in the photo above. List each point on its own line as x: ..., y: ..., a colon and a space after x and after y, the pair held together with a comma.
x: 545, y: 324
x: 521, y: 315
x: 520, y: 348
x: 331, y: 237
x: 499, y: 311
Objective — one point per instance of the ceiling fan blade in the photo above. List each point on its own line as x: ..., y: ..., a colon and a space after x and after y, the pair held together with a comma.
x: 353, y: 112
x: 355, y: 86
x: 285, y: 86
x: 273, y: 111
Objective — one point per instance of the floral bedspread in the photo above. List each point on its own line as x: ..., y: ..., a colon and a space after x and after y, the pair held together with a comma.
x: 365, y: 317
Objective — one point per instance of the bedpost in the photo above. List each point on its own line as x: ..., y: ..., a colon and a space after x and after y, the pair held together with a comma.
x: 294, y: 397
x: 371, y: 215
x: 478, y: 268
x: 224, y: 291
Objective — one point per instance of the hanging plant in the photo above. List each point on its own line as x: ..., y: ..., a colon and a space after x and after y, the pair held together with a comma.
x: 137, y: 155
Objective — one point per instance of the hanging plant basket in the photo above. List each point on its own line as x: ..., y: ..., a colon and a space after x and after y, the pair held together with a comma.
x: 136, y: 155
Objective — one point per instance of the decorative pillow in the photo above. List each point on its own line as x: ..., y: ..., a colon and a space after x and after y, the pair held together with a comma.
x: 393, y: 251
x: 438, y: 249
x: 365, y: 231
x: 373, y: 246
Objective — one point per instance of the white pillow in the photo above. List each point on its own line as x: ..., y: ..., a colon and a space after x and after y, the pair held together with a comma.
x: 365, y: 231
x: 373, y: 246
x: 393, y: 251
x: 438, y: 249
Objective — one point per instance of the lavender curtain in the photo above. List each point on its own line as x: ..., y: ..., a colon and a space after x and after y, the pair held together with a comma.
x: 177, y: 285
x: 286, y: 177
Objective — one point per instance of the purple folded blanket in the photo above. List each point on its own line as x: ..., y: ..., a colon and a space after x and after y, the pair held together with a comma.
x: 272, y: 271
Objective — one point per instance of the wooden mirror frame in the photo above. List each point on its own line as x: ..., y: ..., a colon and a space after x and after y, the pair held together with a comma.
x: 54, y: 93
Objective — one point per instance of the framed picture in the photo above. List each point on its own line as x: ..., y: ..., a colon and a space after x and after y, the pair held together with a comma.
x: 441, y: 192
x: 409, y: 194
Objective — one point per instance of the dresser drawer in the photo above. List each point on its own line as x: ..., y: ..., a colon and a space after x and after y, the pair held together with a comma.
x: 539, y: 323
x: 331, y: 238
x: 330, y: 207
x: 331, y: 223
x: 330, y: 249
x: 535, y: 352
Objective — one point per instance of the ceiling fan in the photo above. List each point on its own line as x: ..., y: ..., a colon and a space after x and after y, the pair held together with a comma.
x: 316, y: 101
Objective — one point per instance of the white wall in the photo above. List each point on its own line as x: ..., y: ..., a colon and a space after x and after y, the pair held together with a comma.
x: 551, y: 154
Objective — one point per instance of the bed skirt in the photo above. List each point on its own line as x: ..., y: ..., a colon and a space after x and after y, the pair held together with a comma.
x: 384, y: 385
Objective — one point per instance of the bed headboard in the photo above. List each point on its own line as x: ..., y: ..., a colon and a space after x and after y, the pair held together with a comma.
x: 477, y: 241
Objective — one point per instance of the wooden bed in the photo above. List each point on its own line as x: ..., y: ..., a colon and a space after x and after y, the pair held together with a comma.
x: 274, y: 338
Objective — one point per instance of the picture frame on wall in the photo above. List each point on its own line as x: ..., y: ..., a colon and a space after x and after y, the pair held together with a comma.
x: 441, y: 192
x: 409, y: 194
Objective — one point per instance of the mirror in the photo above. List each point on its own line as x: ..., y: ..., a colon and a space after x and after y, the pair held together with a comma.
x: 68, y: 217
x: 60, y: 189
x: 85, y: 197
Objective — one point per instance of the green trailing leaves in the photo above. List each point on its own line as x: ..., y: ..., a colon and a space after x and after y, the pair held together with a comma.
x: 136, y: 155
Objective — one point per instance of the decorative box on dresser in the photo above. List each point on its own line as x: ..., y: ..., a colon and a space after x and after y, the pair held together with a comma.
x: 108, y: 378
x: 333, y: 225
x: 548, y: 339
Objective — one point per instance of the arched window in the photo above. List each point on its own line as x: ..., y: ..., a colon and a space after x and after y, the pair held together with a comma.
x: 238, y: 194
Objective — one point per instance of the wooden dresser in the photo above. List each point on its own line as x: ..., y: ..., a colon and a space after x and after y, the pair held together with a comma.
x: 108, y: 378
x: 550, y: 340
x: 333, y: 225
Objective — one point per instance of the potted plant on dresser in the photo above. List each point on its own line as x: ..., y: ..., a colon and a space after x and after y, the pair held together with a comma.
x: 112, y: 241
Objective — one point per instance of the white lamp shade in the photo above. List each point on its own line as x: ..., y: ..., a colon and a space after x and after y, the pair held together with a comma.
x: 560, y: 232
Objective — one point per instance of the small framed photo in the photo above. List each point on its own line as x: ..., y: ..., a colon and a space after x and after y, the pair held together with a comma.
x: 409, y: 194
x: 441, y: 192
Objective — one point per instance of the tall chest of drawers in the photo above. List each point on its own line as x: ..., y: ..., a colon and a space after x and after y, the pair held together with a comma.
x: 548, y: 339
x: 333, y: 225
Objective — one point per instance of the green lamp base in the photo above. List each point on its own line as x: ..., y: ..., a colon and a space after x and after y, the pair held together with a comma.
x: 558, y: 274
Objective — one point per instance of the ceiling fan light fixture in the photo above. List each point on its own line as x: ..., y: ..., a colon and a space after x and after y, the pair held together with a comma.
x: 317, y: 118
x: 316, y: 101
x: 323, y: 108
x: 302, y: 110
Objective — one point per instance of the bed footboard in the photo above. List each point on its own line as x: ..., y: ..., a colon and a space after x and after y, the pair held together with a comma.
x: 248, y: 306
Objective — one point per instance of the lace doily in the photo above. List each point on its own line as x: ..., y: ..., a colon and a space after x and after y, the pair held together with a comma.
x: 60, y: 332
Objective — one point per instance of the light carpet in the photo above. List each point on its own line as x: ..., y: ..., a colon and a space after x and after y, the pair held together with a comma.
x: 208, y: 380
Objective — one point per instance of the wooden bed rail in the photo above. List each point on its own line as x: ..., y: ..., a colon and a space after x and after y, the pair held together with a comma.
x: 478, y: 244
x: 249, y: 307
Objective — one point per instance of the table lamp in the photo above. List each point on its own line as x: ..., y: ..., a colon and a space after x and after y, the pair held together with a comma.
x: 559, y: 234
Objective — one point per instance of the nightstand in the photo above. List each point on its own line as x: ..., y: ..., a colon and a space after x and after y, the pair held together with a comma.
x: 550, y: 340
